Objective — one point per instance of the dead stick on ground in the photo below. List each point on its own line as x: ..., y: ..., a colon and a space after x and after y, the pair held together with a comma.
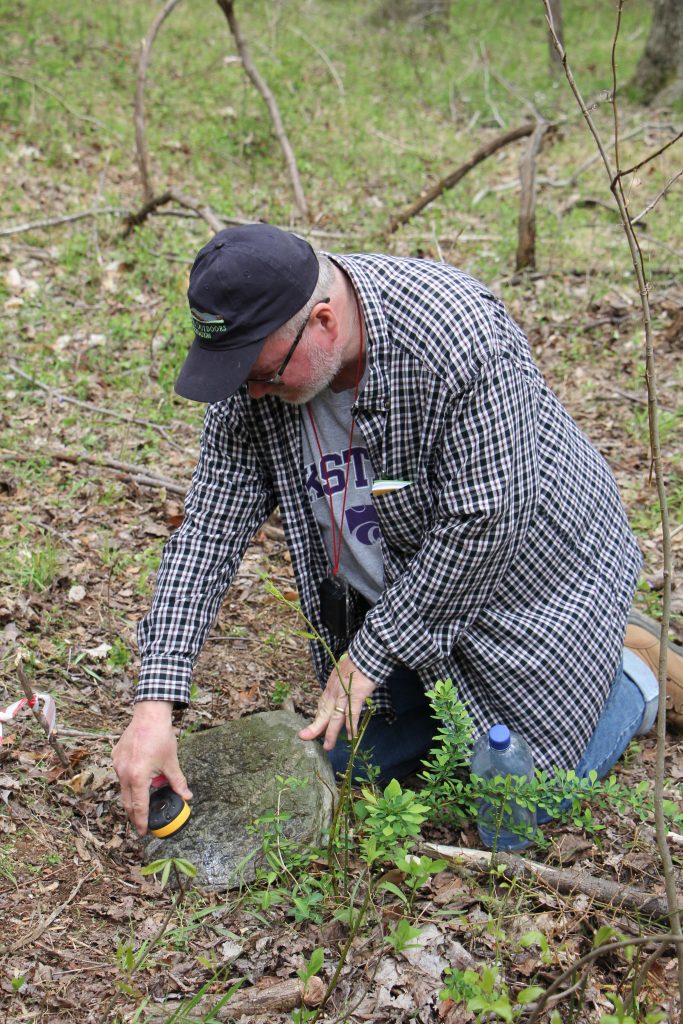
x: 50, y: 222
x: 479, y: 155
x: 39, y: 716
x: 104, y: 461
x: 612, y: 894
x: 140, y: 478
x: 44, y: 925
x: 526, y: 227
x: 228, y: 8
x: 280, y: 997
x: 133, y: 220
x: 143, y: 65
x: 99, y: 409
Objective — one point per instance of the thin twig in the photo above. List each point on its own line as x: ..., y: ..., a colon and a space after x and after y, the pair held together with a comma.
x: 644, y: 970
x: 53, y: 94
x: 487, y: 91
x: 605, y: 947
x: 143, y: 65
x: 228, y: 8
x: 101, y: 410
x: 660, y: 195
x: 122, y: 471
x: 50, y: 222
x: 336, y: 77
x: 103, y: 461
x: 652, y: 156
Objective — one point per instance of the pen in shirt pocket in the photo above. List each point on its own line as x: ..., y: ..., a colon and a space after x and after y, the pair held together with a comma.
x: 380, y: 487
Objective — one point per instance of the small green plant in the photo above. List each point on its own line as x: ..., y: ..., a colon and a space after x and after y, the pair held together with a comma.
x: 401, y: 936
x: 280, y: 693
x: 537, y: 938
x: 417, y: 870
x: 388, y: 818
x: 165, y: 865
x: 119, y: 656
x: 307, y: 900
x: 486, y: 994
x: 621, y: 1016
x: 313, y: 966
x: 36, y: 564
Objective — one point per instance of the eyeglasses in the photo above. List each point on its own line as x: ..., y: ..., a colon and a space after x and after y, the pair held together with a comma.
x: 277, y: 379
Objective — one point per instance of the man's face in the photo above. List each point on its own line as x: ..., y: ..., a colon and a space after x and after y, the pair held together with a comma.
x: 312, y: 367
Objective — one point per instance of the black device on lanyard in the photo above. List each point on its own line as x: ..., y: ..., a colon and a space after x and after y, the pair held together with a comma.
x: 334, y: 606
x: 335, y: 593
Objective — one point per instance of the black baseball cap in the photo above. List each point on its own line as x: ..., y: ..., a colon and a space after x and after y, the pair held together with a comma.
x: 244, y: 284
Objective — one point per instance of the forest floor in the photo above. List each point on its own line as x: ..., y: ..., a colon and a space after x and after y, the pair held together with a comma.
x: 93, y: 330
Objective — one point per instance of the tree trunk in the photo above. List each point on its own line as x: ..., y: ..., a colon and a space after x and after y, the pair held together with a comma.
x: 659, y: 75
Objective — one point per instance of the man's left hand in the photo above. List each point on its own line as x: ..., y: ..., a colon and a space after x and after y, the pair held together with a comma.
x: 341, y: 703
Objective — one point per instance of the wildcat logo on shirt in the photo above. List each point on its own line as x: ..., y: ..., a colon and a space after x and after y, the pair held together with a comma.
x: 328, y: 476
x: 363, y: 523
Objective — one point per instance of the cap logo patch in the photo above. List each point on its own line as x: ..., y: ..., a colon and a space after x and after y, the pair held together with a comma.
x: 207, y: 325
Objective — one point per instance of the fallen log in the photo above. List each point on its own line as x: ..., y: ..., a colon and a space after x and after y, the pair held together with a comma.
x: 603, y: 890
x: 260, y: 1000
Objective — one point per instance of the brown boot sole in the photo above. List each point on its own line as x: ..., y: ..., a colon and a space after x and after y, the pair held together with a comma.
x: 643, y: 638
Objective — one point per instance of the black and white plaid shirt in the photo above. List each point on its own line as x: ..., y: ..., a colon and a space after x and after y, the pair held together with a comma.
x: 509, y: 564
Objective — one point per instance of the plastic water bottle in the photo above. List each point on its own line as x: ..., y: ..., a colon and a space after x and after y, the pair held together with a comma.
x: 503, y: 752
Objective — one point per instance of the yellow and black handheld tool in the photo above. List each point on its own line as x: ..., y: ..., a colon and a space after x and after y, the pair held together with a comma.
x: 168, y: 812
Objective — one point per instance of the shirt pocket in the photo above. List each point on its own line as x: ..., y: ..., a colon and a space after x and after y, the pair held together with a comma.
x: 401, y: 516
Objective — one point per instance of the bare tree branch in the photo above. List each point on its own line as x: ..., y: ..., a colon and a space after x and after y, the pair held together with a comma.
x: 479, y: 155
x: 143, y: 65
x: 615, y: 179
x: 228, y: 8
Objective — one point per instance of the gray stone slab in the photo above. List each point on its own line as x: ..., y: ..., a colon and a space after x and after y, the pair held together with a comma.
x: 232, y: 771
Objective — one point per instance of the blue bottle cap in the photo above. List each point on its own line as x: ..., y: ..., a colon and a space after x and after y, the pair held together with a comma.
x: 499, y: 737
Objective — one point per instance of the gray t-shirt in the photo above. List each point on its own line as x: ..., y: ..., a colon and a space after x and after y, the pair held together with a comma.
x: 361, y: 554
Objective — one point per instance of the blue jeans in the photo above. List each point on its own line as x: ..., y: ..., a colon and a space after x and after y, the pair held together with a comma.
x: 399, y: 748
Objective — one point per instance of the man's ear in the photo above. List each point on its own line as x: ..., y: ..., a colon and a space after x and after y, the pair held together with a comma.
x: 327, y: 319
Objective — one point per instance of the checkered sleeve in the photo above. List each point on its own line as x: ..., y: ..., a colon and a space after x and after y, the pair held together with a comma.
x: 484, y: 487
x: 229, y: 499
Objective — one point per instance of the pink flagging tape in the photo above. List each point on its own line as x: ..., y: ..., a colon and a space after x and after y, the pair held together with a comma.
x: 45, y: 704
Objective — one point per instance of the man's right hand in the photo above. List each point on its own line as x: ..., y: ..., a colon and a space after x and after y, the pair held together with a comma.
x: 146, y: 749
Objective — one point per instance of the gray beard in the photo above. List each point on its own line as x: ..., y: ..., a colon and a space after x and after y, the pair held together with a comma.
x: 324, y: 368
